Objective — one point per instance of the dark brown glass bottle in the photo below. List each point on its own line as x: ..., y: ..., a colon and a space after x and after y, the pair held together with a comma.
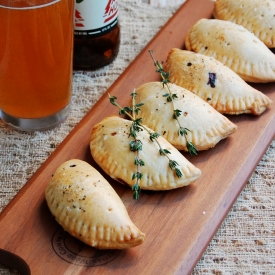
x: 97, y: 34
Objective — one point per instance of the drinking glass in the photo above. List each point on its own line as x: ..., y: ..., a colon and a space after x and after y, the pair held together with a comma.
x: 36, y: 49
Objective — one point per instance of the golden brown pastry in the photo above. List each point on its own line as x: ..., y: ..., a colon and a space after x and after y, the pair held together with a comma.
x: 234, y: 46
x: 110, y: 149
x: 87, y: 207
x: 215, y: 83
x: 255, y: 15
x: 207, y: 126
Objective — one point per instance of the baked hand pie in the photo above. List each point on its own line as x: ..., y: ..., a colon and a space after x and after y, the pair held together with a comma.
x: 234, y: 46
x: 110, y: 148
x: 215, y: 83
x: 206, y: 125
x: 88, y: 208
x: 255, y: 15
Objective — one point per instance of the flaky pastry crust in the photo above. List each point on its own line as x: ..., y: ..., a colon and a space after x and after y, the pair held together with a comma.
x: 206, y: 125
x: 88, y: 208
x: 235, y: 47
x: 226, y: 91
x: 110, y: 149
x: 255, y: 15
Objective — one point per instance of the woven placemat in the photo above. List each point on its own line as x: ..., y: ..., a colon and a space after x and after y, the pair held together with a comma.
x: 245, y: 242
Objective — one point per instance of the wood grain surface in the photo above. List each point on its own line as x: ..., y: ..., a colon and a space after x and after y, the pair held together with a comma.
x: 179, y: 224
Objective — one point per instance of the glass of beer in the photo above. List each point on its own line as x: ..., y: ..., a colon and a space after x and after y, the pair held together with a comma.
x: 36, y: 49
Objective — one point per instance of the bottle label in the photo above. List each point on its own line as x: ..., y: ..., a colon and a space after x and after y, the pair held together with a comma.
x: 95, y: 17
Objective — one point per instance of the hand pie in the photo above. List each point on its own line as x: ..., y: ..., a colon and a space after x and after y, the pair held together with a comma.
x: 110, y: 148
x: 255, y: 15
x: 207, y: 126
x: 87, y: 207
x: 215, y: 83
x: 235, y: 47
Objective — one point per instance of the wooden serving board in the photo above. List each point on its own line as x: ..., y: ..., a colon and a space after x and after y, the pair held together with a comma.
x: 179, y: 224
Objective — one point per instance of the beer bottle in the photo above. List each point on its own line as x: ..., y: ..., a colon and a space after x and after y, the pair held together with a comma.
x: 96, y: 33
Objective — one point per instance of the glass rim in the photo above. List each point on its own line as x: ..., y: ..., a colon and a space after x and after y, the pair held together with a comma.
x: 26, y: 5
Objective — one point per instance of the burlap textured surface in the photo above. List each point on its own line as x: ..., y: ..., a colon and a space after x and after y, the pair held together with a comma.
x: 245, y: 242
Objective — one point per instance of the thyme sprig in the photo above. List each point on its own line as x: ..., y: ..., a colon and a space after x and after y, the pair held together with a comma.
x: 170, y: 98
x: 136, y: 144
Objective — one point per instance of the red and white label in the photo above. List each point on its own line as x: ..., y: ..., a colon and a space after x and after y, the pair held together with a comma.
x: 95, y: 14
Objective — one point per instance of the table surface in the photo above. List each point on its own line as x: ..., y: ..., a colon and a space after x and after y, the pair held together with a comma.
x: 245, y: 242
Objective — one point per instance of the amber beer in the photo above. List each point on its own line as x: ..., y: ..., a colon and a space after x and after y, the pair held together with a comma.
x: 96, y: 35
x: 35, y: 62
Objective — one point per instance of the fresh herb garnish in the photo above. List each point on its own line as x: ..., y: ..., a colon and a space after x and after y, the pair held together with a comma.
x: 170, y: 98
x: 135, y: 145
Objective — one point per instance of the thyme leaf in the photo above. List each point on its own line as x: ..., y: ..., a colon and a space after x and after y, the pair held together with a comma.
x: 178, y: 172
x: 183, y: 131
x: 135, y: 145
x: 177, y: 113
x: 139, y: 161
x: 153, y: 135
x: 164, y: 152
x: 137, y: 175
x: 191, y: 148
x: 136, y: 191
